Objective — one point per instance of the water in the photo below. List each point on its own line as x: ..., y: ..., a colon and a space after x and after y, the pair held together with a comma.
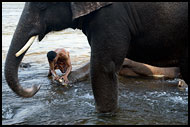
x: 141, y: 101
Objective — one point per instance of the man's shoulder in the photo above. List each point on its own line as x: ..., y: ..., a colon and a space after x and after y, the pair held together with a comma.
x: 61, y: 50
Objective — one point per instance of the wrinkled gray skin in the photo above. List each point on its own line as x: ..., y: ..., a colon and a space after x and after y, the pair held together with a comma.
x: 152, y: 33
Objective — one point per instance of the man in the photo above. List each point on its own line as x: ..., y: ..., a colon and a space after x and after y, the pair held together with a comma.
x: 59, y: 59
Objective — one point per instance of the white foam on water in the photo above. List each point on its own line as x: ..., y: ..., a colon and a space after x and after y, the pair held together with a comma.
x: 87, y: 96
x: 178, y: 99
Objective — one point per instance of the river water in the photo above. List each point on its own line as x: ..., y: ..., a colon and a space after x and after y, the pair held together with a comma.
x: 141, y: 100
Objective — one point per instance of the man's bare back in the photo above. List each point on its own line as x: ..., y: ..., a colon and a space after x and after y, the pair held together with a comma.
x: 59, y: 59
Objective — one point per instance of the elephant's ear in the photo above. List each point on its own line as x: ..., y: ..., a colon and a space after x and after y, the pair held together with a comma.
x: 84, y: 8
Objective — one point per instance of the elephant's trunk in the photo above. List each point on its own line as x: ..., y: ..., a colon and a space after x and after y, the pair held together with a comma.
x: 11, y: 70
x: 20, y: 38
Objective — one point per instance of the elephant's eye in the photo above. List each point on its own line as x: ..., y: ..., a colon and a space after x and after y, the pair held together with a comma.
x: 42, y: 5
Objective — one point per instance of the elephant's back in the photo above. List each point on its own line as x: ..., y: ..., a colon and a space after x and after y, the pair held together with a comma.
x: 163, y: 20
x: 162, y: 12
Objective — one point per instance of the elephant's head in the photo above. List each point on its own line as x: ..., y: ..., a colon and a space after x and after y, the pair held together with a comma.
x: 38, y: 19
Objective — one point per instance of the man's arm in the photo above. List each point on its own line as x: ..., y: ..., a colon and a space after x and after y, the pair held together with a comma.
x: 49, y: 73
x: 69, y: 68
x: 52, y: 71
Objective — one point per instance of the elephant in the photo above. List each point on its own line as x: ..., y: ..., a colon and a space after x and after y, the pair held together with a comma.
x: 155, y: 33
x: 130, y: 68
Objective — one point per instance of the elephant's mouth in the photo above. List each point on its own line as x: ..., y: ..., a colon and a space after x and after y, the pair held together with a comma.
x: 41, y: 36
x: 43, y: 33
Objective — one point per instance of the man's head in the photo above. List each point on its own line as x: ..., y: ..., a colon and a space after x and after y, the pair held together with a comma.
x: 51, y: 55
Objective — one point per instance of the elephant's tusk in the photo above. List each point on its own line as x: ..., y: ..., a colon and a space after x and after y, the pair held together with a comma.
x: 27, y: 45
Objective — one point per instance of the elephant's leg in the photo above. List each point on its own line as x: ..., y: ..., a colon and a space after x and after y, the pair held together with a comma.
x: 104, y: 84
x: 148, y: 70
x: 109, y: 37
x: 106, y: 60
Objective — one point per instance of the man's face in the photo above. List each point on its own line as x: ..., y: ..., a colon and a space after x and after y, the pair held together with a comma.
x: 56, y: 58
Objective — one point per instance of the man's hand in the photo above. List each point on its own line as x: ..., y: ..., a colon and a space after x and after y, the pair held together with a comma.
x: 65, y: 79
x: 57, y: 77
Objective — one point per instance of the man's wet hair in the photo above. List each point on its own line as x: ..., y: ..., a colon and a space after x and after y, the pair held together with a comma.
x: 51, y: 55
